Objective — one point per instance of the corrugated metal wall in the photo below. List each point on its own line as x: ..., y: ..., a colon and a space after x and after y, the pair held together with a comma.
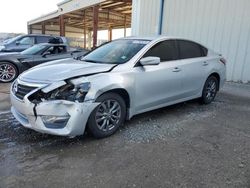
x: 222, y: 25
x: 145, y: 16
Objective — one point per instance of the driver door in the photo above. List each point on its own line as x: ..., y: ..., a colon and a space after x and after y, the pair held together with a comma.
x: 51, y: 54
x: 23, y: 44
x: 158, y: 85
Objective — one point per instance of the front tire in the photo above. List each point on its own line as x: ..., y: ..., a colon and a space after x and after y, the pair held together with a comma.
x: 8, y: 72
x: 209, y: 90
x: 108, y: 116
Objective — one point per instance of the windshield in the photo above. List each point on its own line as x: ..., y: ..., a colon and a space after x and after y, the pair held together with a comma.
x: 34, y: 50
x: 116, y: 52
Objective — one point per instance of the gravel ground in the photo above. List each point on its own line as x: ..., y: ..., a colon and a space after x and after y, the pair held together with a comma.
x: 185, y: 145
x: 4, y: 97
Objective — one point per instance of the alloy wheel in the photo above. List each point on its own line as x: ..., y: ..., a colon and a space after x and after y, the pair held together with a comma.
x: 7, y: 72
x: 211, y: 90
x: 108, y: 115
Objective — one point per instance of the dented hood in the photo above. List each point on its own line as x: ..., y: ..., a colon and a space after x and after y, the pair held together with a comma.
x: 64, y: 69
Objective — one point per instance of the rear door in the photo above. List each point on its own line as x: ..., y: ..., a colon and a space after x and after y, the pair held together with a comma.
x: 157, y: 85
x: 42, y: 39
x: 193, y: 65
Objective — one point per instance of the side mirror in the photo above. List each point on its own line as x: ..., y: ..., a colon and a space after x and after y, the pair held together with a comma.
x: 150, y: 61
x: 17, y: 43
x: 45, y: 54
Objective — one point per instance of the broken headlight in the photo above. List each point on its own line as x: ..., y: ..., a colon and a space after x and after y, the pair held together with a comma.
x: 71, y: 92
x: 67, y: 92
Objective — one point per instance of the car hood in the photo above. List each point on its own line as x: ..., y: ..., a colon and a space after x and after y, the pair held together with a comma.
x: 64, y: 69
x: 11, y: 55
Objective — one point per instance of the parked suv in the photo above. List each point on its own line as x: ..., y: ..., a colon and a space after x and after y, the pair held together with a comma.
x: 23, y: 42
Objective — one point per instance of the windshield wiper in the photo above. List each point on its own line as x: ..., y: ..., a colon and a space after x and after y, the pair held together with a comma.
x: 91, y: 61
x: 101, y: 62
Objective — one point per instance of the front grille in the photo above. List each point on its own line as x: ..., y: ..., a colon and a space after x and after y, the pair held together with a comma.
x: 22, y: 90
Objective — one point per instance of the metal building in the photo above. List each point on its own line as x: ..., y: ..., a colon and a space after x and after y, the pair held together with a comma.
x: 222, y: 25
x: 82, y: 19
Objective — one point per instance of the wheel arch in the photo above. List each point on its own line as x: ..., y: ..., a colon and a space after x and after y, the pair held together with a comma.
x: 217, y: 76
x: 122, y: 92
x: 13, y: 63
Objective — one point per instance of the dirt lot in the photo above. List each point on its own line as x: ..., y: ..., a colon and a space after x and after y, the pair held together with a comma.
x: 4, y: 97
x: 185, y: 145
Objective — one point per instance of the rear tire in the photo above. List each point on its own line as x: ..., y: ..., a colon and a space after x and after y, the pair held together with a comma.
x: 209, y: 90
x: 108, y: 116
x: 8, y: 72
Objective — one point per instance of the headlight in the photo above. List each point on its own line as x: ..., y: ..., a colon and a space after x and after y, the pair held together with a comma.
x: 14, y: 87
x: 2, y: 48
x: 71, y: 93
x: 84, y: 87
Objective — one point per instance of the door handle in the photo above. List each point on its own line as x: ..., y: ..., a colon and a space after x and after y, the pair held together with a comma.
x: 176, y: 69
x: 205, y: 63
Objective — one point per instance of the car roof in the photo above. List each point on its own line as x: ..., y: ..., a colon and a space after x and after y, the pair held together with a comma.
x: 41, y: 35
x: 141, y: 38
x: 155, y: 37
x: 161, y: 37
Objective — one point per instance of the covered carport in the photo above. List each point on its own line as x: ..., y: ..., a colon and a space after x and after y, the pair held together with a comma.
x: 80, y: 20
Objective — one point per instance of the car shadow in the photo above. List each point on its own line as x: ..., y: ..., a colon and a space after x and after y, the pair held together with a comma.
x: 13, y: 133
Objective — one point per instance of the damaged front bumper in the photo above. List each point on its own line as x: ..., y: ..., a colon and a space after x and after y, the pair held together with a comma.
x: 57, y: 117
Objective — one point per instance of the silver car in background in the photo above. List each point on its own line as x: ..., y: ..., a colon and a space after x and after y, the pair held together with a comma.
x: 113, y: 83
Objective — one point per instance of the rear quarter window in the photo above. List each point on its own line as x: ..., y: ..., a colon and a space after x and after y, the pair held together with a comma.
x: 204, y: 50
x: 42, y: 39
x: 188, y: 49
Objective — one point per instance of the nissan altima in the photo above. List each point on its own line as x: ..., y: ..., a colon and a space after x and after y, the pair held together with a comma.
x: 115, y: 82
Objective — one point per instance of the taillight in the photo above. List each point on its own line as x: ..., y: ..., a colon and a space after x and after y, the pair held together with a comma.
x: 224, y: 61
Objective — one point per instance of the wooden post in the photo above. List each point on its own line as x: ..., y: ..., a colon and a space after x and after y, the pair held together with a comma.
x: 84, y: 20
x: 95, y: 24
x: 110, y: 33
x: 62, y: 25
x: 125, y: 26
x: 29, y: 29
x: 89, y: 39
x: 109, y: 29
x: 43, y: 28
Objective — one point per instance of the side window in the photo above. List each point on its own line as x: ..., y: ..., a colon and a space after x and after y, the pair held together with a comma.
x: 41, y: 39
x: 27, y: 41
x: 53, y: 50
x: 165, y: 50
x: 190, y: 49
